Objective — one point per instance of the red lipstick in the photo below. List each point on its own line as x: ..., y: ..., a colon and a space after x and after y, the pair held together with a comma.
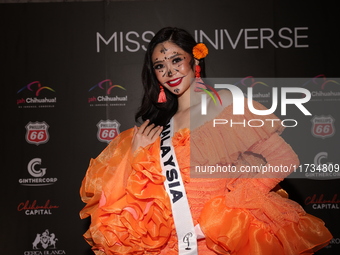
x: 175, y: 82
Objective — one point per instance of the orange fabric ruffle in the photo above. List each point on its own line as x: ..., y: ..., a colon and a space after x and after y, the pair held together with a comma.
x: 133, y: 218
x: 243, y: 233
x: 238, y: 214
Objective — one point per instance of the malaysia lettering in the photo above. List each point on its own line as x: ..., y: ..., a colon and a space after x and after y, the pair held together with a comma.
x: 172, y: 174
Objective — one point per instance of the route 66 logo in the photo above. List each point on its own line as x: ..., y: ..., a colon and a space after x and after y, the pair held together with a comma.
x: 107, y: 130
x: 323, y: 126
x: 37, y: 132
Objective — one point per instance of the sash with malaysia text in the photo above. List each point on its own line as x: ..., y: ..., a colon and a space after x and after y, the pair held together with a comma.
x: 187, y: 242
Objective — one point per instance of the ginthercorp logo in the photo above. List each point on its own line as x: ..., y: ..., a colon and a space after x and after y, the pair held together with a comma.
x: 105, y: 93
x: 323, y: 168
x: 45, y: 243
x: 35, y: 208
x: 323, y: 89
x: 35, y: 95
x: 334, y: 241
x: 37, y: 132
x: 323, y: 126
x: 37, y: 171
x: 239, y: 105
x: 107, y: 130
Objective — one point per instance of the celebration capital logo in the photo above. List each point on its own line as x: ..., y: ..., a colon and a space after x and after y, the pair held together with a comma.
x: 101, y: 94
x: 322, y: 201
x: 34, y: 208
x: 107, y: 130
x: 30, y: 96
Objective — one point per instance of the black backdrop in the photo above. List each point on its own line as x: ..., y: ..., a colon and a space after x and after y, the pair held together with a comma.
x: 70, y: 78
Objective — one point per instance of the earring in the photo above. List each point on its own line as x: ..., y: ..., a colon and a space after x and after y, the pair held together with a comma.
x: 199, y: 82
x: 197, y: 71
x: 161, y: 96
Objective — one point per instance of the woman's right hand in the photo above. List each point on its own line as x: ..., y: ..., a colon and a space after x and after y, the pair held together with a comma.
x: 144, y: 135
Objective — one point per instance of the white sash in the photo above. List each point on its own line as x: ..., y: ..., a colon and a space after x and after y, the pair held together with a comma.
x: 187, y: 242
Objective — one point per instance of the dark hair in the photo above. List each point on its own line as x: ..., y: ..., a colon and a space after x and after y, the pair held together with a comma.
x: 161, y: 113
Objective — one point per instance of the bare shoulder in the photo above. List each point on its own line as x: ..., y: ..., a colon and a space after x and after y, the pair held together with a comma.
x: 215, y: 107
x: 226, y: 97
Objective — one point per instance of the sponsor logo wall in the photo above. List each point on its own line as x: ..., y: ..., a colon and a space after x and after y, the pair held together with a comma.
x: 71, y: 83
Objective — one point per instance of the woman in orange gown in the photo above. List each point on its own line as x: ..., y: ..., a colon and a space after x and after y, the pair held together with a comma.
x: 242, y: 213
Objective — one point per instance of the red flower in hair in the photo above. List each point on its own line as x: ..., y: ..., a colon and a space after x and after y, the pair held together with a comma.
x: 200, y: 51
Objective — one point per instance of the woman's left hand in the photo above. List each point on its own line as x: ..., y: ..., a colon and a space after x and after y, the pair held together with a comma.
x: 144, y: 135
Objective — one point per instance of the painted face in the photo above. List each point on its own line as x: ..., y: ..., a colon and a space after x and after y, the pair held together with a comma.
x: 172, y: 67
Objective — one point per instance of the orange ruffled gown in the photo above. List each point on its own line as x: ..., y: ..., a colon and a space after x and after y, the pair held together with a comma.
x: 131, y: 213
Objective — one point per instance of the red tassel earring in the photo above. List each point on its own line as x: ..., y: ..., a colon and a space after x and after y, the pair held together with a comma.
x: 199, y: 82
x: 161, y: 96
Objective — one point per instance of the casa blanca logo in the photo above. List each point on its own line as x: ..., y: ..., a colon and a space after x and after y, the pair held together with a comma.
x: 239, y: 101
x: 45, y: 243
x: 45, y: 240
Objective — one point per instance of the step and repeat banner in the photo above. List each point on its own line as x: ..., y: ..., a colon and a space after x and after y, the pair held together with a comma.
x: 70, y: 83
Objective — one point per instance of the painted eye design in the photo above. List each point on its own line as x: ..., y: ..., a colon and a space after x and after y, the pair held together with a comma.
x: 176, y: 60
x: 158, y: 66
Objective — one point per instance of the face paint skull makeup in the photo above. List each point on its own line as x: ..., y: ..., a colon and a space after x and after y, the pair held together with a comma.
x: 172, y: 67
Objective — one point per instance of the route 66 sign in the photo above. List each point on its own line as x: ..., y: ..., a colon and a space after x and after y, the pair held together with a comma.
x: 323, y: 126
x: 37, y: 132
x: 107, y: 130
